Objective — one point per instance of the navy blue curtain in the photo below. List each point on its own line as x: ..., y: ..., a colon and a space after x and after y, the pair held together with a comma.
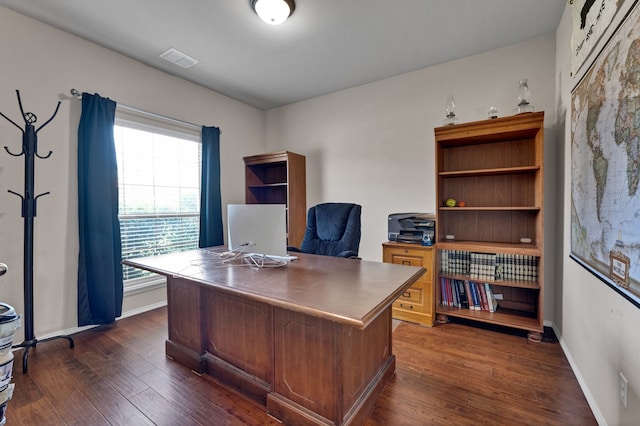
x: 211, y: 233
x: 100, y: 286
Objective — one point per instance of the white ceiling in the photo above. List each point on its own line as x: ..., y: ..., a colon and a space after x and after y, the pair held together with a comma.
x: 325, y: 46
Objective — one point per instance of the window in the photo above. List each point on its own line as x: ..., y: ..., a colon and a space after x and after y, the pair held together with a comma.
x: 159, y: 191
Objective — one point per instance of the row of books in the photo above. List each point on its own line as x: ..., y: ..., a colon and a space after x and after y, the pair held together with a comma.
x: 455, y: 262
x: 482, y: 266
x: 517, y: 267
x: 489, y: 266
x: 465, y: 294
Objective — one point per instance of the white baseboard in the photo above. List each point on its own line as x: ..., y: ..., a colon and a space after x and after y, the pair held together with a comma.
x: 143, y: 309
x: 583, y: 385
x: 127, y: 314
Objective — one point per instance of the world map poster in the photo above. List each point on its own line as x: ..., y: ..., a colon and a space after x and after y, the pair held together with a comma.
x: 590, y: 21
x: 605, y: 163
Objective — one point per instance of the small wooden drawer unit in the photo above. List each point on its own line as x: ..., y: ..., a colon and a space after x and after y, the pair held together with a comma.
x: 417, y: 303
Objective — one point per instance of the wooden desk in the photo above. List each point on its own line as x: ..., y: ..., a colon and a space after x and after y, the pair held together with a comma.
x: 311, y: 340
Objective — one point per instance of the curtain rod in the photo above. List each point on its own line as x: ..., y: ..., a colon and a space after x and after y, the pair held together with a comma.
x: 75, y: 93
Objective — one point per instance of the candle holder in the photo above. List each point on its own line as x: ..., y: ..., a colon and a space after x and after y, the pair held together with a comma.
x: 524, y: 98
x: 450, y: 117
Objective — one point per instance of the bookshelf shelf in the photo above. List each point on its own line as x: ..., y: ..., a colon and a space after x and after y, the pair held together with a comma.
x: 490, y: 208
x: 534, y: 285
x: 270, y: 185
x: 491, y: 171
x: 507, y: 318
x: 495, y: 167
x: 489, y: 247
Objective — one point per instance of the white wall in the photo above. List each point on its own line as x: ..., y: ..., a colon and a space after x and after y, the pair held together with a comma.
x: 374, y: 144
x: 600, y: 329
x: 44, y: 64
x: 371, y: 144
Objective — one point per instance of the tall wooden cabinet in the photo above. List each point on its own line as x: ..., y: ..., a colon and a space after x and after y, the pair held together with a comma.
x: 496, y: 168
x: 415, y: 304
x: 280, y: 178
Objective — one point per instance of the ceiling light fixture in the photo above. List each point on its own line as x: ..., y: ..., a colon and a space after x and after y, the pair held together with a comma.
x: 273, y: 12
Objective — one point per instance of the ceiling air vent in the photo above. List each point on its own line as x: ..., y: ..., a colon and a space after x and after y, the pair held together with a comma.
x: 177, y: 57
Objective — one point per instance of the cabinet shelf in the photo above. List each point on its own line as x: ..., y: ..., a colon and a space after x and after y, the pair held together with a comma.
x: 268, y: 185
x: 489, y: 247
x: 491, y: 208
x: 504, y: 317
x: 533, y: 285
x: 495, y: 167
x: 489, y: 172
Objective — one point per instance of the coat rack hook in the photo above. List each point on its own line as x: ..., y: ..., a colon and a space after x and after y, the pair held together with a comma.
x: 11, y: 153
x: 44, y: 157
x: 15, y: 193
x: 49, y: 120
x: 40, y: 195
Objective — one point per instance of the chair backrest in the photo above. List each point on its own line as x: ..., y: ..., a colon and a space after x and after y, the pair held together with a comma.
x: 333, y: 229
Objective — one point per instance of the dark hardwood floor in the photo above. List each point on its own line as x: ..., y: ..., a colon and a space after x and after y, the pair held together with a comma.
x: 447, y: 375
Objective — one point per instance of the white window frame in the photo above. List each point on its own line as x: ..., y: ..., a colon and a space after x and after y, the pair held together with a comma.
x: 153, y: 123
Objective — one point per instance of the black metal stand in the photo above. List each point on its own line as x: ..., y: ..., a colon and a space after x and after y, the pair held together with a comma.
x: 30, y: 151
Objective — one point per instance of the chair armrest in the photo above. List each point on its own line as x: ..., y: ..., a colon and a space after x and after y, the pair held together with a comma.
x: 349, y: 254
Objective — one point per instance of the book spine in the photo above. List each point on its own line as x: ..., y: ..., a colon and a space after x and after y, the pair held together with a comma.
x: 484, y: 265
x: 444, y: 261
x: 454, y: 297
x: 467, y: 289
x: 490, y: 299
x: 519, y: 262
x: 483, y: 297
x: 473, y: 266
x: 474, y: 293
x: 464, y: 302
x: 478, y: 296
x: 467, y: 261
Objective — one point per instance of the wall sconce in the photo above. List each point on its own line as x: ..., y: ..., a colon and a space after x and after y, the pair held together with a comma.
x: 273, y: 12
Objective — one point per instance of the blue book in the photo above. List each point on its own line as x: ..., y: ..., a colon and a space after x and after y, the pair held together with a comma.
x: 475, y: 296
x: 464, y: 302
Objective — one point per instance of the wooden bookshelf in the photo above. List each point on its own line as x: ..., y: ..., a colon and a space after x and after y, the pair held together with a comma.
x: 279, y: 178
x: 496, y: 167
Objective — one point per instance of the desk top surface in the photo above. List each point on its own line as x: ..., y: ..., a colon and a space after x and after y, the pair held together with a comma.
x: 347, y: 291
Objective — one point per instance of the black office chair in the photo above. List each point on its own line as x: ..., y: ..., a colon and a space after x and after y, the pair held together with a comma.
x: 333, y: 229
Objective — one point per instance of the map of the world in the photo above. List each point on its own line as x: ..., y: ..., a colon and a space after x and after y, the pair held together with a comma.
x: 605, y: 159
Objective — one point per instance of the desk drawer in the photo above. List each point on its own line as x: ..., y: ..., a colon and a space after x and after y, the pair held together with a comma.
x: 412, y: 296
x: 411, y: 300
x: 411, y: 257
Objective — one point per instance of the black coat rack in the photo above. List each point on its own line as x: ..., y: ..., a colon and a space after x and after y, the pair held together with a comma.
x: 30, y: 151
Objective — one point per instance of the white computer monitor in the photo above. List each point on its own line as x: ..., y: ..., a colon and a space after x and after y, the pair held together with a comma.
x: 262, y: 226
